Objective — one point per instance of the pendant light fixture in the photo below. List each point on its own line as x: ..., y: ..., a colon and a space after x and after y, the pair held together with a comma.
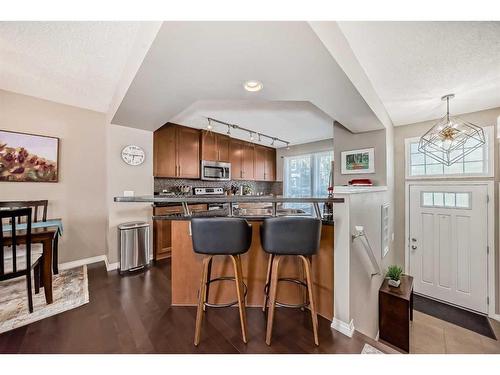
x: 451, y: 138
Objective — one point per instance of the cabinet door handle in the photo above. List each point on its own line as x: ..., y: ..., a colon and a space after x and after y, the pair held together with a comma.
x: 179, y: 170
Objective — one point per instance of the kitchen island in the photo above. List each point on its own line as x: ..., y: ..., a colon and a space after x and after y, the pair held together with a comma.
x: 187, y: 265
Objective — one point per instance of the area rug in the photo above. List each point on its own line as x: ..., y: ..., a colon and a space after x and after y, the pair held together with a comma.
x: 368, y: 349
x: 460, y: 317
x: 70, y: 289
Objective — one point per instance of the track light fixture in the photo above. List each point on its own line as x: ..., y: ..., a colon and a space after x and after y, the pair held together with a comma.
x: 250, y: 132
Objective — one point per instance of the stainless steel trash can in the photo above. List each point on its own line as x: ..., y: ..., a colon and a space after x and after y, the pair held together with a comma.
x: 134, y: 248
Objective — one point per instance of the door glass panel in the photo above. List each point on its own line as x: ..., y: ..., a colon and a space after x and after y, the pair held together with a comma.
x: 438, y: 199
x: 427, y: 199
x: 449, y: 199
x: 463, y: 200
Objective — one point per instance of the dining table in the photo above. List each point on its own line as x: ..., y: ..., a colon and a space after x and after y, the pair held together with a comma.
x: 46, y: 236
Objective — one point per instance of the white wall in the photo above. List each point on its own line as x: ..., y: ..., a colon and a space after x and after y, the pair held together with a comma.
x: 121, y: 177
x: 344, y: 140
x: 79, y: 198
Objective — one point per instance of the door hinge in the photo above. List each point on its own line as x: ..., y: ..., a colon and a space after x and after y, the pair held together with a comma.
x: 487, y: 249
x: 487, y: 300
x: 487, y: 198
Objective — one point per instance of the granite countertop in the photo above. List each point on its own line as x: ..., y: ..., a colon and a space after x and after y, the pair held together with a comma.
x: 226, y: 199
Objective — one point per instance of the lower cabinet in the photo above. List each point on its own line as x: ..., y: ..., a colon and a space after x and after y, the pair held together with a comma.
x: 162, y: 229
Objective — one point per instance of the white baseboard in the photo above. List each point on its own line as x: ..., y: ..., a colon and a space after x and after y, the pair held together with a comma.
x: 343, y: 327
x: 495, y: 316
x: 96, y: 259
x: 81, y: 262
x: 111, y: 266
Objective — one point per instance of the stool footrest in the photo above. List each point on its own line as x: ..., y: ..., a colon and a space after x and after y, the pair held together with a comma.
x: 229, y: 304
x: 289, y: 305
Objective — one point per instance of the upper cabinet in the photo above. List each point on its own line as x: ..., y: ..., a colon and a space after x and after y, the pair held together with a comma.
x: 179, y: 149
x: 176, y: 152
x: 265, y: 163
x: 214, y: 147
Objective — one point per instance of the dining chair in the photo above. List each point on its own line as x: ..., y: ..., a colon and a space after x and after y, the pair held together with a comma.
x: 18, y: 260
x: 41, y: 204
x: 39, y: 214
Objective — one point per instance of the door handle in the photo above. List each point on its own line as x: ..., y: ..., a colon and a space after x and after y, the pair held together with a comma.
x: 413, y: 240
x: 413, y: 247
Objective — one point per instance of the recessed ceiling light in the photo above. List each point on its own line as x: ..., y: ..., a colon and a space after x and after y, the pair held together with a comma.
x: 253, y: 85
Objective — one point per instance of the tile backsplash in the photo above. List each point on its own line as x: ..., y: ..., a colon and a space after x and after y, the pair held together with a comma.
x: 257, y: 187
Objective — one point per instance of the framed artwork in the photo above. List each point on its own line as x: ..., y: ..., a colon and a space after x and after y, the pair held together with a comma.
x: 28, y: 157
x: 358, y: 161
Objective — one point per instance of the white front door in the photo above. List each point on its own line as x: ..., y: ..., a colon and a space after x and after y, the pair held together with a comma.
x: 448, y: 243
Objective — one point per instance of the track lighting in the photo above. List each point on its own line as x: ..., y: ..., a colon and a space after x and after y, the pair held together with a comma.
x: 251, y: 133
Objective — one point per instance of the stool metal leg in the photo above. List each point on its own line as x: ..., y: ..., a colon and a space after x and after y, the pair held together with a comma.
x: 272, y: 296
x: 201, y: 299
x: 312, y: 307
x: 268, y: 279
x: 238, y: 274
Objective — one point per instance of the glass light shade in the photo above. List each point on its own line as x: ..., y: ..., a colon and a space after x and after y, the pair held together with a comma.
x: 451, y: 139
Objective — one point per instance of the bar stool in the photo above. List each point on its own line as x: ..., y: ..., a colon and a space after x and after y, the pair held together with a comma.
x: 221, y: 236
x: 289, y: 236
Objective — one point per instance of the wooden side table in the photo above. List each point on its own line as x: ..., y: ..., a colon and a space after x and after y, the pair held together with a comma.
x: 395, y: 310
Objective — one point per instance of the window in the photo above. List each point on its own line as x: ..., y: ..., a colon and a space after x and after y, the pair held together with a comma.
x: 307, y: 176
x: 476, y: 163
x: 446, y: 199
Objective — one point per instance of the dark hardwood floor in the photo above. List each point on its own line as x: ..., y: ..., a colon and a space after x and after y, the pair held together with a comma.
x: 132, y: 314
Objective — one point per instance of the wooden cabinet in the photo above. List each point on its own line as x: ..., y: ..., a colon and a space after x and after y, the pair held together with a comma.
x: 241, y: 156
x: 179, y: 149
x: 176, y: 152
x: 265, y: 163
x: 395, y: 311
x: 236, y: 159
x: 270, y: 167
x: 214, y: 147
x: 248, y: 161
x: 223, y: 147
x: 165, y: 152
x: 188, y: 152
x: 162, y: 229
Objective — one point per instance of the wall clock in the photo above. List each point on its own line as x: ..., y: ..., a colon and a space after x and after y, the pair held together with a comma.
x: 133, y: 155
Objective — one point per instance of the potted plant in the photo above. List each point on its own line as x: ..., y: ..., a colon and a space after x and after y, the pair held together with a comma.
x: 394, y: 275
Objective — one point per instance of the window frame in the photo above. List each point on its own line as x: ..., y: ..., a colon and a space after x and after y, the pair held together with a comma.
x: 313, y: 161
x: 490, y: 153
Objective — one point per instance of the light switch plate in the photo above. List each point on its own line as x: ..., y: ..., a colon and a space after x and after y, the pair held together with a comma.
x: 128, y: 193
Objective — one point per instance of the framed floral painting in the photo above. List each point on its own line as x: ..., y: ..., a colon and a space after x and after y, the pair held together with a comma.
x: 28, y: 157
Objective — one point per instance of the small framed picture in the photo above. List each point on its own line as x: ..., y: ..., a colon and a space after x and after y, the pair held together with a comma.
x: 358, y: 161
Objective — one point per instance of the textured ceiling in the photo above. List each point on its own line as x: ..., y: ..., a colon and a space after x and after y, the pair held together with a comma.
x: 295, y: 122
x: 412, y: 64
x: 209, y: 61
x: 75, y: 63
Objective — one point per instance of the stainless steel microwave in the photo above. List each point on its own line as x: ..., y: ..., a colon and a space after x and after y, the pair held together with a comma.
x: 215, y: 171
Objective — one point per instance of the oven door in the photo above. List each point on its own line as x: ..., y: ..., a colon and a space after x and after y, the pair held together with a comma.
x: 214, y: 171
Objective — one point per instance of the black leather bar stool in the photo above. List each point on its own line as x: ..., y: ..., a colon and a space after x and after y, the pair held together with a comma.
x: 289, y: 236
x: 221, y: 236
